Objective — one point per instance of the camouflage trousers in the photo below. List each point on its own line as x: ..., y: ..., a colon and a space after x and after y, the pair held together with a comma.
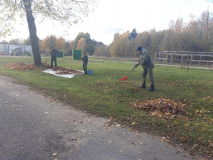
x: 53, y: 59
x: 144, y: 74
x: 85, y: 67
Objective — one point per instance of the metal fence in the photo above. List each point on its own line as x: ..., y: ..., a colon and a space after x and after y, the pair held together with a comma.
x: 185, y: 58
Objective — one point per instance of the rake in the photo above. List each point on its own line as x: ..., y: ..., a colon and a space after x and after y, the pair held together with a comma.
x: 125, y: 77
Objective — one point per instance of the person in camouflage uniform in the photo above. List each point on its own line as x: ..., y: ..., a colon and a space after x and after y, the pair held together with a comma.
x: 53, y: 53
x: 147, y: 64
x: 85, y: 61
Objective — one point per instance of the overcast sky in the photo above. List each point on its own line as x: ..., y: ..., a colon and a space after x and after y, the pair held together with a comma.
x: 114, y: 16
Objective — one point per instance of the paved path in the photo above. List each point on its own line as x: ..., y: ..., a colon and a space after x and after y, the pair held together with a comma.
x: 34, y: 127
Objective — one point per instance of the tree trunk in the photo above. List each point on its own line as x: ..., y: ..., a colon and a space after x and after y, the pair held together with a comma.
x: 33, y: 34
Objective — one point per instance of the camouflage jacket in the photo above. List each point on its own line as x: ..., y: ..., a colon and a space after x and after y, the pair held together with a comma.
x: 85, y: 59
x: 145, y: 59
x: 53, y: 52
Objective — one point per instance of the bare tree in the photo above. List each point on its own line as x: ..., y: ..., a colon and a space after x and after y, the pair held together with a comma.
x: 65, y: 11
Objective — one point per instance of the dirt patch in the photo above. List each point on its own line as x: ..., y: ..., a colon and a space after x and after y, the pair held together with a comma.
x: 24, y: 67
x: 162, y: 108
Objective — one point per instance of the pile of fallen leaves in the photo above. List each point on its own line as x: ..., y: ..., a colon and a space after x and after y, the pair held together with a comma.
x: 62, y: 70
x: 25, y: 66
x: 162, y: 108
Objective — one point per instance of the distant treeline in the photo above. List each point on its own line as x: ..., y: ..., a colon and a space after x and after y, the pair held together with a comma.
x: 196, y: 35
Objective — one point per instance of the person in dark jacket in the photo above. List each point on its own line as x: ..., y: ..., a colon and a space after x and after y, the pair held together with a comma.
x: 53, y: 53
x: 147, y: 64
x: 85, y: 61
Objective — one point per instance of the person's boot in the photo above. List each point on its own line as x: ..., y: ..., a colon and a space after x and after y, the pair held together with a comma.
x: 152, y: 88
x: 143, y: 86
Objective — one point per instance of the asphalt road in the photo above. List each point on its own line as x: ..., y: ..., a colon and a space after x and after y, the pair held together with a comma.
x: 35, y: 127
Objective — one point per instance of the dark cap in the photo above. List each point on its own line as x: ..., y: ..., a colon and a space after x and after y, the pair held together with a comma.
x: 139, y: 48
x: 51, y: 47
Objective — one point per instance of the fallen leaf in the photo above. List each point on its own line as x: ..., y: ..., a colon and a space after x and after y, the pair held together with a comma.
x: 54, y: 154
x: 110, y: 142
x: 121, y: 152
x: 187, y: 125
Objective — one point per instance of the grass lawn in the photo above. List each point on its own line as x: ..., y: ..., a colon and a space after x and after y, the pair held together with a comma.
x: 103, y: 94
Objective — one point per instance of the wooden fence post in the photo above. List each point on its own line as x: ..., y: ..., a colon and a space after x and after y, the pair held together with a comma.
x: 182, y: 61
x: 191, y: 60
x: 171, y: 58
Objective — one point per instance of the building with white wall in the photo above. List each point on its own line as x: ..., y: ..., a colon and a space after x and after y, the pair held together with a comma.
x: 8, y: 48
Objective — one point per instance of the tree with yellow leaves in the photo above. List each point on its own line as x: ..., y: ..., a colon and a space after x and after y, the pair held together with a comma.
x: 60, y: 43
x: 49, y: 41
x: 81, y: 44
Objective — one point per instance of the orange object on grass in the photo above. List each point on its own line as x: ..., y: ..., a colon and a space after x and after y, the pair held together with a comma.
x: 123, y: 79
